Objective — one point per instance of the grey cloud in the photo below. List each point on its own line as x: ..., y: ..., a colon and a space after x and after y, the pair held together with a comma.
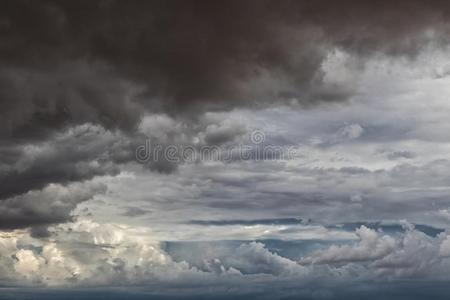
x: 135, y: 212
x: 261, y: 189
x: 284, y: 221
x: 83, y: 83
x: 38, y: 209
x: 37, y: 103
x: 189, y: 55
x: 400, y: 154
x: 78, y: 153
x: 370, y: 247
x: 220, y: 134
x: 119, y: 254
x: 253, y: 258
x: 389, y: 227
x: 66, y: 64
x: 410, y: 255
x: 40, y: 231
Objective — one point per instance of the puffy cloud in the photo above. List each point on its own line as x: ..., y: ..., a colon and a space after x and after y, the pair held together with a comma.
x: 53, y: 204
x: 444, y: 249
x: 255, y: 258
x: 412, y: 254
x: 417, y: 256
x: 225, y: 132
x: 370, y: 247
x: 344, y: 134
x: 76, y: 154
x: 86, y: 253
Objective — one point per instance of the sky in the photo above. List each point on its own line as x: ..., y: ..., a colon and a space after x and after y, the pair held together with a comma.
x: 224, y: 149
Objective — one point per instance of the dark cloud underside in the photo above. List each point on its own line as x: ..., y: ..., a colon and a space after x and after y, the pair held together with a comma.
x: 75, y: 57
x: 68, y: 63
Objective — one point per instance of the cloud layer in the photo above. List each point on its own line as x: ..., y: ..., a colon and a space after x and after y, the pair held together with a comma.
x: 359, y: 89
x: 88, y: 254
x: 100, y: 62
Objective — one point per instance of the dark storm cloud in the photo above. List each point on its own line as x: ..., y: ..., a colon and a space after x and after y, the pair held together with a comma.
x: 75, y: 155
x: 37, y: 102
x: 67, y: 63
x: 38, y: 209
x: 186, y: 55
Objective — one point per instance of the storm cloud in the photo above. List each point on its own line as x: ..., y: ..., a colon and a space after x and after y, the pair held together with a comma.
x: 66, y: 62
x: 107, y: 63
x: 355, y: 91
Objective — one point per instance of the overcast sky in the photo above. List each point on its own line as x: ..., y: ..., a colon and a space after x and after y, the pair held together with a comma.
x: 330, y: 122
